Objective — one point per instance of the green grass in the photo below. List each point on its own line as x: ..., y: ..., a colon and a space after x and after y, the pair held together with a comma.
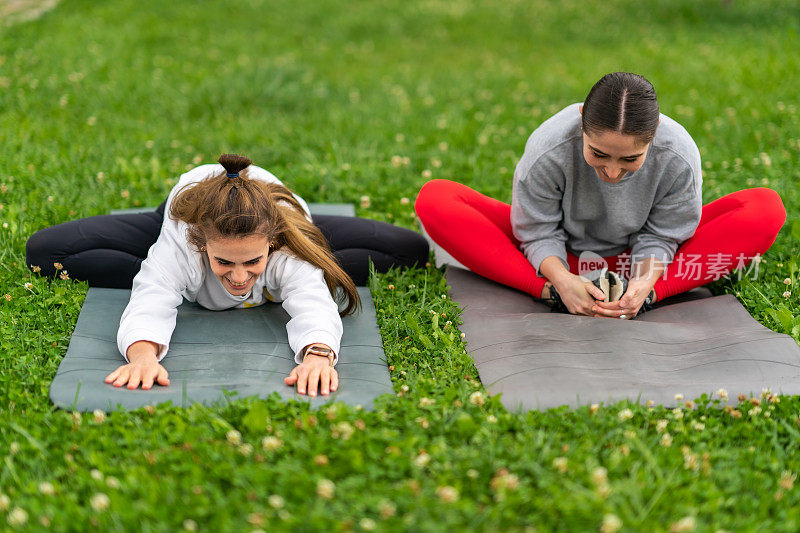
x: 104, y: 104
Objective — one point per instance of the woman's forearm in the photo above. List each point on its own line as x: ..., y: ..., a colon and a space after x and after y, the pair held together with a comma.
x: 142, y: 349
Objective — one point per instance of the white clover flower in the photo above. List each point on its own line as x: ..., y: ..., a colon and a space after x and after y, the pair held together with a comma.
x: 650, y: 404
x: 426, y: 402
x: 29, y: 286
x: 687, y: 523
x: 787, y: 281
x: 112, y: 482
x: 491, y: 419
x: 99, y: 416
x: 233, y: 437
x: 666, y: 440
x: 404, y: 201
x: 661, y: 425
x: 447, y: 494
x: 5, y: 501
x: 600, y: 476
x: 17, y: 517
x: 722, y: 393
x: 787, y: 294
x: 342, y: 430
x: 100, y: 502
x: 677, y: 413
x: 246, y: 449
x: 472, y: 473
x: 387, y: 509
x: 46, y: 488
x: 698, y: 426
x: 189, y: 525
x: 679, y: 397
x: 625, y: 414
x: 787, y: 480
x: 325, y: 488
x: 96, y: 474
x: 365, y: 201
x: 477, y: 398
x: 561, y: 464
x: 422, y: 459
x: 611, y: 524
x: 367, y: 524
x: 593, y: 408
x: 426, y: 174
x: 276, y: 501
x: 270, y: 443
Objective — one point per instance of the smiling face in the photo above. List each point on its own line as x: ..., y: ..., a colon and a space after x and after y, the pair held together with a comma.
x: 238, y: 261
x: 613, y: 155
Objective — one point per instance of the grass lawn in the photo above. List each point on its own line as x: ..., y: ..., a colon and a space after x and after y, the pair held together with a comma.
x: 104, y: 104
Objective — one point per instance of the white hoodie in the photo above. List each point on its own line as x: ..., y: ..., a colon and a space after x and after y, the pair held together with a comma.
x: 174, y: 270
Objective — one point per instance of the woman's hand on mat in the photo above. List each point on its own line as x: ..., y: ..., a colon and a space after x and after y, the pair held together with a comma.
x: 143, y: 368
x: 312, y: 372
x: 577, y: 295
x: 627, y: 306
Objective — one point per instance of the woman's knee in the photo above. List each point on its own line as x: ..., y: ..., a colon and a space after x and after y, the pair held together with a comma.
x: 415, y: 249
x: 433, y: 195
x: 39, y: 252
x: 762, y: 209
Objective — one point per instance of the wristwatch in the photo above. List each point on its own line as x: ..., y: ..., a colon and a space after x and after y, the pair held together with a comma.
x: 322, y: 351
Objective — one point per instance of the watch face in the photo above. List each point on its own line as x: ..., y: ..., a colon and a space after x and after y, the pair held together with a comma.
x: 318, y: 350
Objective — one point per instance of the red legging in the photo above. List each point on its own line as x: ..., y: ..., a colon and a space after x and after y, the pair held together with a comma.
x: 476, y: 230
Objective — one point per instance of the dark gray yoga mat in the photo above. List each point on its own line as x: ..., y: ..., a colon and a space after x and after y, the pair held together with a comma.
x: 243, y: 351
x: 692, y: 344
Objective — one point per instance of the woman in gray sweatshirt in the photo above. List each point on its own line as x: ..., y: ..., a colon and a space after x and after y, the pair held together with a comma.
x: 608, y: 183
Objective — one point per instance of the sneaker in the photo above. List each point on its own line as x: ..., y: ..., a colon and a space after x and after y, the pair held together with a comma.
x: 608, y: 281
x: 614, y: 287
x: 554, y: 302
x: 648, y: 302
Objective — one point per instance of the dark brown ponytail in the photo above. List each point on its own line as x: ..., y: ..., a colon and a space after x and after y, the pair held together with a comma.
x: 233, y: 205
x: 624, y: 103
x: 233, y: 164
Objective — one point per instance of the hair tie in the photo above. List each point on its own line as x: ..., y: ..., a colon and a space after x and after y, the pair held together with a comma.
x: 232, y: 174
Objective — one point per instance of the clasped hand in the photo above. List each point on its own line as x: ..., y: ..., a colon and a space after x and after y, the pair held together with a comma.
x: 583, y: 298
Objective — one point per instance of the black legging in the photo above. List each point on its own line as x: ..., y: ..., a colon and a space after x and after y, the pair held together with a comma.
x: 107, y: 250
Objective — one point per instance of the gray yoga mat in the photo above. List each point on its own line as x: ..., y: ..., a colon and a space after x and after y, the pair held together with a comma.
x: 692, y: 344
x: 242, y: 351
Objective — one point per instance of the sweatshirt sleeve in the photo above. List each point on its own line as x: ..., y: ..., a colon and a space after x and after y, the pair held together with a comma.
x: 158, y: 291
x: 536, y: 212
x: 314, y: 315
x: 672, y: 219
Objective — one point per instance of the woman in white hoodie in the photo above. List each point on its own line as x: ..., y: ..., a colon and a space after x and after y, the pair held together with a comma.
x: 233, y: 236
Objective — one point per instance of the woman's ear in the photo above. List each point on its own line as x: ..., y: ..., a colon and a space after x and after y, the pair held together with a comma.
x: 580, y: 109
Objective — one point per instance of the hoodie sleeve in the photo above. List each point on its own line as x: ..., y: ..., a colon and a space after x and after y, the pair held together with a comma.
x: 305, y: 296
x: 169, y: 269
x: 536, y: 212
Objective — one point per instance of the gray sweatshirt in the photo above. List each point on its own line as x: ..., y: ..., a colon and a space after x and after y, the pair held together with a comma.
x: 560, y: 204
